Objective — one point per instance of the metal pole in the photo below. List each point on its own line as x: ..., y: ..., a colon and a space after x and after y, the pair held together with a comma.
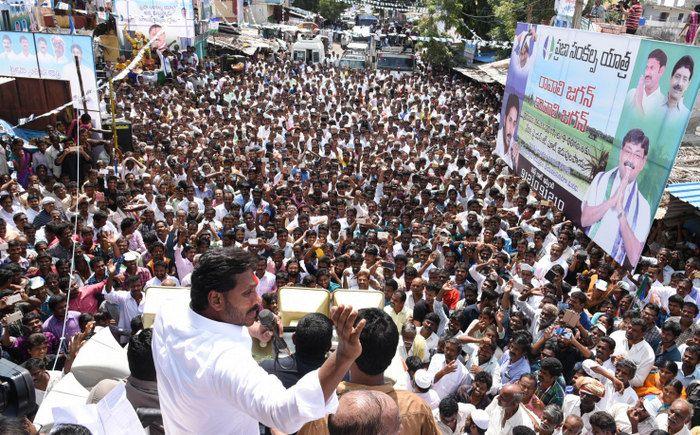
x: 115, y: 142
x: 578, y: 10
x: 80, y: 81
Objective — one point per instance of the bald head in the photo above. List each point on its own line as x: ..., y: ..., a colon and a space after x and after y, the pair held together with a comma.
x: 365, y: 412
x: 573, y: 425
x: 679, y: 415
x: 510, y: 396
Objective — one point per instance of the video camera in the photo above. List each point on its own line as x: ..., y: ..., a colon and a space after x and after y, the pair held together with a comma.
x: 17, y: 398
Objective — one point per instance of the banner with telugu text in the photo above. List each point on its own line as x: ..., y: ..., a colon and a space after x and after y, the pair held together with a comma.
x: 52, y: 56
x: 593, y: 122
x: 148, y: 17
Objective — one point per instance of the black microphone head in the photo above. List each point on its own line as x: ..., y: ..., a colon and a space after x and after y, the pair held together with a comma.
x: 267, y: 319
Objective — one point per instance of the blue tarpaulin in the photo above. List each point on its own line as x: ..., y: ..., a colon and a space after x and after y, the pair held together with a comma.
x: 22, y: 133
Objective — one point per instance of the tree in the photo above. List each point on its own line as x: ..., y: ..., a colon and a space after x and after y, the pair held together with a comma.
x: 331, y: 9
x: 443, y: 18
x: 308, y: 5
x: 507, y: 13
x: 478, y: 16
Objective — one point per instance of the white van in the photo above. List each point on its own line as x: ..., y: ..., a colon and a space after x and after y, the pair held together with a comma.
x: 309, y: 50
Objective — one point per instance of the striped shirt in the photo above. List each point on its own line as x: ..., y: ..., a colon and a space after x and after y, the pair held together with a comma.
x: 634, y: 13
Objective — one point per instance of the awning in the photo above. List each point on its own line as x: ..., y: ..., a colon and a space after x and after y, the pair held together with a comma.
x: 475, y: 74
x: 494, y: 72
x: 300, y: 13
x: 688, y: 193
x: 246, y: 44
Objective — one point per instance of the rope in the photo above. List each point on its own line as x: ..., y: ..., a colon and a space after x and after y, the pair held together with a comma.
x: 62, y: 339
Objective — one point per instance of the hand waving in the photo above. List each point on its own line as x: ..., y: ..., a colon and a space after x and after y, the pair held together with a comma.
x: 343, y: 318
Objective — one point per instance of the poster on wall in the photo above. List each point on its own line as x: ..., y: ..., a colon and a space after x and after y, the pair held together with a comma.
x: 593, y: 122
x: 18, y: 55
x: 166, y: 22
x: 56, y: 55
x: 51, y: 56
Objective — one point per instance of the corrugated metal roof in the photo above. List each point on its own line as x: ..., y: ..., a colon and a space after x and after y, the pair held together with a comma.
x: 686, y: 192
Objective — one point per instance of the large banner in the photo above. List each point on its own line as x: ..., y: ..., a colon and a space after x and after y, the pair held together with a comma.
x: 18, y: 56
x: 593, y: 122
x: 149, y: 17
x: 50, y: 56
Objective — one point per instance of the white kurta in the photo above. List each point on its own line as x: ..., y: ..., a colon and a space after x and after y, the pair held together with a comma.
x: 651, y: 103
x: 520, y: 418
x: 607, y: 233
x: 208, y: 381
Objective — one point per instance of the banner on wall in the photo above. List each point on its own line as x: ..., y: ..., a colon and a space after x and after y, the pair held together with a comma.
x: 18, y: 56
x: 50, y: 56
x: 593, y: 122
x: 175, y: 17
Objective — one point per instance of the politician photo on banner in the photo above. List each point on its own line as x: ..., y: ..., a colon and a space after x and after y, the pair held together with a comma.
x: 614, y: 212
x: 618, y: 205
x: 662, y: 90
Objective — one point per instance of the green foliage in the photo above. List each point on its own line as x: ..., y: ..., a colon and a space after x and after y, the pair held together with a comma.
x: 442, y: 14
x: 331, y: 9
x: 508, y: 12
x: 478, y: 16
x: 309, y: 5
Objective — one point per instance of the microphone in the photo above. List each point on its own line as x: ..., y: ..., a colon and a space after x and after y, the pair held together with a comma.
x: 269, y: 321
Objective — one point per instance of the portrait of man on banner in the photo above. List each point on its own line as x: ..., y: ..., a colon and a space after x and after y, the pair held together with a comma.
x: 676, y: 111
x: 506, y: 144
x: 614, y: 212
x: 7, y: 53
x: 647, y: 99
x: 522, y: 58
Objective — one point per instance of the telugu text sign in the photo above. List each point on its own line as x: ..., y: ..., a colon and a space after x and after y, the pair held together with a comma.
x: 583, y: 115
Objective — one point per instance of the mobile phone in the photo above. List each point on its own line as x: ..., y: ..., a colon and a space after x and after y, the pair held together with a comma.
x: 382, y: 235
x: 13, y: 299
x: 571, y: 318
x: 14, y: 317
x: 563, y: 332
x: 252, y: 242
x: 549, y: 276
x: 601, y: 285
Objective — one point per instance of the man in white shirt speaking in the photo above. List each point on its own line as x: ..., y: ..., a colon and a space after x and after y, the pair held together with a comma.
x: 615, y: 213
x: 208, y: 381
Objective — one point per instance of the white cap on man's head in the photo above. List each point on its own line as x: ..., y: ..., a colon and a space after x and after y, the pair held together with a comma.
x: 480, y: 418
x: 423, y: 378
x: 130, y: 256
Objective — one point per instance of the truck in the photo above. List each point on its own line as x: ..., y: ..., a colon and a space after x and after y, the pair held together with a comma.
x: 397, y: 60
x: 361, y: 39
x: 366, y: 20
x: 353, y: 60
x: 309, y: 50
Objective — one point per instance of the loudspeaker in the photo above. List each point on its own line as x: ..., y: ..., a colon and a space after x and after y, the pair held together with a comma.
x: 66, y: 392
x: 124, y: 136
x: 295, y: 302
x: 101, y: 357
x: 359, y: 299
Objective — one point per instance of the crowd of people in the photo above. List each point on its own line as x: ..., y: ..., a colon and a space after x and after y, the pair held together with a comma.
x: 505, y: 317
